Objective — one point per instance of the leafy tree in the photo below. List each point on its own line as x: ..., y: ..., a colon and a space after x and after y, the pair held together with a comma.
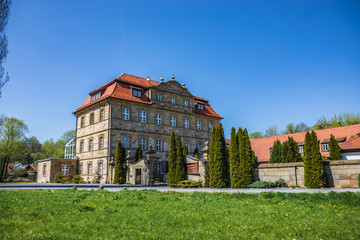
x: 120, y: 174
x: 180, y: 164
x: 138, y: 154
x: 234, y: 159
x: 246, y: 160
x: 334, y: 149
x: 256, y: 135
x: 172, y: 159
x: 301, y: 127
x: 290, y: 151
x: 276, y: 152
x: 218, y: 161
x: 322, y: 123
x: 4, y: 16
x: 290, y: 128
x: 272, y: 131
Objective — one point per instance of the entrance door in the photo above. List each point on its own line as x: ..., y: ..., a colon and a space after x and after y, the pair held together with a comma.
x: 138, y: 176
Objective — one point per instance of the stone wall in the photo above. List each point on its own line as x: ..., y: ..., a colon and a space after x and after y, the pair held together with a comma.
x: 342, y: 173
x: 48, y: 168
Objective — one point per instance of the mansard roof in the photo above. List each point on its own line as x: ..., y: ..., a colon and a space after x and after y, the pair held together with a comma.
x: 121, y: 86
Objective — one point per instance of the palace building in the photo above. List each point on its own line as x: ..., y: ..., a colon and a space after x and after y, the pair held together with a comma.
x: 141, y: 113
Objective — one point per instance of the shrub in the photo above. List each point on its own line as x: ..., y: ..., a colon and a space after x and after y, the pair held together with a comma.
x: 69, y: 177
x: 270, y: 184
x: 77, y: 179
x: 190, y: 184
x: 59, y: 178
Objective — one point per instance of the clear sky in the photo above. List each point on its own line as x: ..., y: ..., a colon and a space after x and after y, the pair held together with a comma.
x: 259, y: 63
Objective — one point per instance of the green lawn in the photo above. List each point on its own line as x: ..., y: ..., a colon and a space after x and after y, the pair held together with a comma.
x: 81, y: 214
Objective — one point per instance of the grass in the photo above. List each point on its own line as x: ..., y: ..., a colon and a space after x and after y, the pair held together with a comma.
x: 149, y: 214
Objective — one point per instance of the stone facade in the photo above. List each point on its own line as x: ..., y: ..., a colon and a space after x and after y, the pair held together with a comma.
x: 136, y: 124
x: 48, y: 168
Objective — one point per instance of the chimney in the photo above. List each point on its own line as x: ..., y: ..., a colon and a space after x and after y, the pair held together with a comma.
x: 148, y: 78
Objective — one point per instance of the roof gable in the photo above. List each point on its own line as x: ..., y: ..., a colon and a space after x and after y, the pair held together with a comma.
x: 173, y: 87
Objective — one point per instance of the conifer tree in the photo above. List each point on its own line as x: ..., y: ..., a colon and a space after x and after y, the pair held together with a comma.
x: 334, y: 149
x: 185, y: 150
x: 172, y: 160
x: 120, y: 174
x: 290, y: 151
x: 207, y: 175
x: 218, y: 170
x: 246, y: 160
x: 180, y: 164
x: 234, y: 159
x: 276, y: 152
x: 138, y: 154
x: 307, y: 160
x: 210, y: 157
x: 196, y: 152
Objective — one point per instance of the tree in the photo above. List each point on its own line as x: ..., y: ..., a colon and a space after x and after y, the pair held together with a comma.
x: 290, y: 128
x: 180, y: 164
x: 334, y: 149
x: 196, y: 152
x: 234, y: 159
x: 172, y: 159
x: 218, y: 160
x: 12, y: 136
x: 272, y: 131
x: 256, y: 135
x: 138, y: 154
x: 208, y: 165
x: 120, y: 174
x: 4, y: 16
x: 246, y: 160
x: 290, y: 151
x: 185, y: 150
x: 276, y: 152
x: 301, y: 127
x: 322, y: 123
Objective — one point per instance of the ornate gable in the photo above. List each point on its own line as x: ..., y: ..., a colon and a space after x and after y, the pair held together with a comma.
x: 173, y: 87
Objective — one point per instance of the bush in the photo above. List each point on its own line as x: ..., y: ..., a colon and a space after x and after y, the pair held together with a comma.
x: 188, y: 184
x: 59, y: 178
x: 270, y: 184
x: 69, y: 177
x: 77, y: 179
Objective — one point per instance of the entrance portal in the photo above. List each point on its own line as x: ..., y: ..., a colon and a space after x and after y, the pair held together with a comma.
x: 138, y: 176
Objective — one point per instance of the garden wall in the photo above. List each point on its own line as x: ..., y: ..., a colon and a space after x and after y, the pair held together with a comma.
x: 342, y: 173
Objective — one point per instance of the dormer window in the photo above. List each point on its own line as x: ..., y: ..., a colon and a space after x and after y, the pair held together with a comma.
x: 325, y: 147
x: 136, y: 93
x: 200, y: 106
x: 301, y: 149
x: 95, y: 96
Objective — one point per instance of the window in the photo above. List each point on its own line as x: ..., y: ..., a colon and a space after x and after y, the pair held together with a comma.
x: 82, y: 146
x: 102, y: 113
x: 142, y: 116
x: 186, y: 103
x: 81, y: 169
x: 82, y: 122
x: 200, y: 106
x: 95, y: 96
x: 210, y: 127
x: 198, y: 125
x: 159, y: 167
x: 270, y: 150
x: 301, y: 149
x: 44, y: 170
x: 172, y: 100
x: 159, y: 97
x: 143, y: 143
x: 100, y: 168
x: 90, y: 145
x: 126, y: 113
x: 186, y: 123
x: 89, y: 168
x: 173, y: 121
x: 158, y: 145
x: 65, y: 170
x: 125, y: 141
x: 92, y: 118
x: 136, y: 93
x: 101, y: 142
x: 199, y: 146
x: 325, y: 147
x: 158, y: 119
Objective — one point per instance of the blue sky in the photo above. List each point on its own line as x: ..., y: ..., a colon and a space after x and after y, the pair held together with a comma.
x: 259, y: 63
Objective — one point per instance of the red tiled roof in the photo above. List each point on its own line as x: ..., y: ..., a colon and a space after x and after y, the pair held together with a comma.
x: 261, y: 146
x: 351, y: 144
x: 120, y: 88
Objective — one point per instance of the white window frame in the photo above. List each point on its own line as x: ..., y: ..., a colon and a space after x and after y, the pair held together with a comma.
x: 186, y: 103
x: 82, y: 121
x: 325, y: 147
x: 142, y: 116
x: 101, y: 142
x: 158, y: 145
x: 65, y: 170
x: 158, y: 119
x: 200, y: 106
x: 159, y: 97
x: 136, y: 93
x: 126, y: 114
x: 81, y: 146
x: 44, y: 170
x: 102, y: 114
x: 89, y: 168
x: 142, y: 143
x: 91, y: 145
x: 100, y: 167
x: 125, y: 141
x: 301, y: 149
x: 95, y: 96
x: 186, y: 123
x: 92, y: 120
x: 210, y: 126
x: 198, y: 125
x: 173, y: 121
x: 81, y: 169
x: 172, y: 100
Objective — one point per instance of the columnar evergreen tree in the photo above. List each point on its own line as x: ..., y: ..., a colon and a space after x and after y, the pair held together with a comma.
x: 138, y: 154
x: 185, y: 150
x: 334, y: 148
x: 196, y: 152
x: 234, y: 159
x: 120, y: 174
x: 210, y: 158
x: 246, y: 160
x: 180, y: 164
x: 276, y: 152
x: 218, y: 170
x: 290, y: 151
x: 172, y: 159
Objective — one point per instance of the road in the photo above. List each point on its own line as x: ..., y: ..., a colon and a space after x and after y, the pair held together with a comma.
x: 115, y: 187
